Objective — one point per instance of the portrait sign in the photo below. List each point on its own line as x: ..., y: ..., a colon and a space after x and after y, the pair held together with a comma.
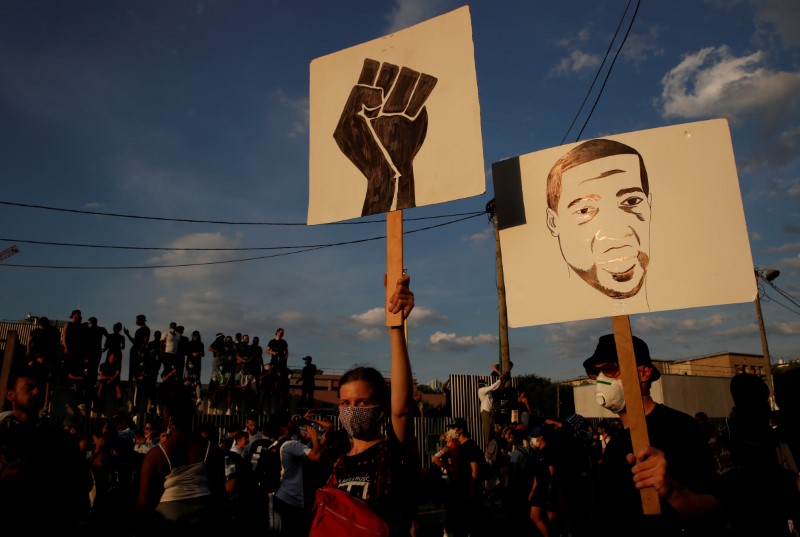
x: 395, y: 122
x: 631, y: 223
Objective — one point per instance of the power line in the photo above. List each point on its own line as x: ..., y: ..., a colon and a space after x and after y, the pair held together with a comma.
x: 597, y: 74
x: 241, y: 260
x: 766, y: 298
x: 608, y: 73
x: 222, y: 222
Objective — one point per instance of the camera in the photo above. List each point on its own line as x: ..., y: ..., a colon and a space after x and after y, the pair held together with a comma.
x: 298, y: 420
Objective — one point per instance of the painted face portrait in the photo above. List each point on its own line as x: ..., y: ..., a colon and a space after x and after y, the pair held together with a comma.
x: 599, y: 208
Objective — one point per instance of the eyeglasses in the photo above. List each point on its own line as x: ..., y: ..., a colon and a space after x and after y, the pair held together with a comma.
x: 609, y: 369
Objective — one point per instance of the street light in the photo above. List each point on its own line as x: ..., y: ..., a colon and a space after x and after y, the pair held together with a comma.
x: 767, y: 275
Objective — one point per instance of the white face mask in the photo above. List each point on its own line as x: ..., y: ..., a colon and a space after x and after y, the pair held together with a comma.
x: 610, y: 394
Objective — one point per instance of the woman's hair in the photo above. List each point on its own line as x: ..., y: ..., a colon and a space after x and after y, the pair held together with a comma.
x: 370, y: 375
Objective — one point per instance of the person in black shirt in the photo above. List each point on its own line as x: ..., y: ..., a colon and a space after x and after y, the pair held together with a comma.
x: 678, y: 463
x: 278, y: 349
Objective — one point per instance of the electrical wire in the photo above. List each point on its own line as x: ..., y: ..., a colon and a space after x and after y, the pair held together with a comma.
x: 784, y: 294
x: 241, y: 260
x: 608, y: 74
x: 597, y: 74
x: 221, y: 222
x: 764, y: 297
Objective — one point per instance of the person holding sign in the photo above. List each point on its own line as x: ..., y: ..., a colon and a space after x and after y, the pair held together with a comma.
x: 599, y: 208
x: 677, y: 464
x: 378, y: 470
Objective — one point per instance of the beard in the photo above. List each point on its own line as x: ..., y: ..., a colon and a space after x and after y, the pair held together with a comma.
x: 590, y: 276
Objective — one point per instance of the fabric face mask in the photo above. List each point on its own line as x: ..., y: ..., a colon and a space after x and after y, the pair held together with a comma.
x: 361, y: 422
x: 610, y: 394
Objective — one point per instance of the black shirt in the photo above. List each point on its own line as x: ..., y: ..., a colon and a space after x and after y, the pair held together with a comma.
x: 689, y: 460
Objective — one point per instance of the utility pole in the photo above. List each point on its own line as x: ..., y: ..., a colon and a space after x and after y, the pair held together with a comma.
x: 505, y: 361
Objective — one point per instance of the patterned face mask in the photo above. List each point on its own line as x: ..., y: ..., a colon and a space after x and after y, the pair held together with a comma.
x: 362, y: 422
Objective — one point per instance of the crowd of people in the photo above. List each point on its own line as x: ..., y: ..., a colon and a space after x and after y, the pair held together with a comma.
x: 193, y: 479
x: 537, y: 476
x: 83, y: 366
x: 554, y: 477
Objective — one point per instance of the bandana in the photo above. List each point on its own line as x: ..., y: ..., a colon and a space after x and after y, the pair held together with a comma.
x: 362, y: 422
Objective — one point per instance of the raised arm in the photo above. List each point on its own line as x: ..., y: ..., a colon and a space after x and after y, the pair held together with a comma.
x: 402, y: 300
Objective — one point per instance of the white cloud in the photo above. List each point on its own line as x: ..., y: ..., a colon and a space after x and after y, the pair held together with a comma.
x: 640, y: 47
x: 785, y: 328
x: 371, y: 334
x: 714, y: 83
x: 211, y: 276
x: 440, y: 341
x: 480, y: 237
x: 420, y: 317
x: 373, y: 317
x: 781, y: 15
x: 298, y: 107
x: 407, y: 13
x: 576, y: 62
x: 790, y: 247
x: 582, y: 36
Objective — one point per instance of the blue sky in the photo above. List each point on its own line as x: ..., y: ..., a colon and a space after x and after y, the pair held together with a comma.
x: 199, y: 110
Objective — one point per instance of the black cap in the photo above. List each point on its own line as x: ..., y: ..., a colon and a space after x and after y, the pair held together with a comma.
x: 307, y: 358
x: 606, y: 352
x: 458, y: 423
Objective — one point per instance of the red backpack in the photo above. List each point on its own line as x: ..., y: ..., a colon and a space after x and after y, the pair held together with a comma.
x: 338, y: 514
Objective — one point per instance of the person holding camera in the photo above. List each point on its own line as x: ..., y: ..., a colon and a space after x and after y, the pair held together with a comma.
x: 290, y: 498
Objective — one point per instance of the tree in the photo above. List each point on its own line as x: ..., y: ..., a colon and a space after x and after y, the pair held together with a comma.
x: 541, y: 394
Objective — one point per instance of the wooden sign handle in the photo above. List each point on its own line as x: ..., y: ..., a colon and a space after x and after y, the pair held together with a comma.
x: 394, y: 261
x: 633, y: 401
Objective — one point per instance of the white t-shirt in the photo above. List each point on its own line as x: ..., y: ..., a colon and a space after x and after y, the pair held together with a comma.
x: 291, y: 488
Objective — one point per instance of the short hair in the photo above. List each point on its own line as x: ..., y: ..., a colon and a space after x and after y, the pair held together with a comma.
x: 587, y: 152
x: 75, y: 312
x: 22, y: 370
x: 371, y: 376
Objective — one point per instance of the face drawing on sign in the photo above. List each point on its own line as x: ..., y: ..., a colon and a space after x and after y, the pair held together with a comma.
x: 382, y: 128
x: 599, y: 208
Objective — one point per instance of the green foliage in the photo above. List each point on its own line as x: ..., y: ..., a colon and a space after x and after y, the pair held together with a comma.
x: 543, y: 397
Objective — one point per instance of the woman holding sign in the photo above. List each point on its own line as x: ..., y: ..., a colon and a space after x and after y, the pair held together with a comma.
x: 378, y: 470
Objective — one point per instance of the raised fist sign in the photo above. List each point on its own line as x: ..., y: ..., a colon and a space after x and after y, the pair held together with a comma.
x: 382, y: 128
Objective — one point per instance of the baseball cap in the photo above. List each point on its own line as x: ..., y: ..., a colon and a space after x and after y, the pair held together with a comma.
x: 606, y: 352
x: 458, y: 423
x: 307, y: 358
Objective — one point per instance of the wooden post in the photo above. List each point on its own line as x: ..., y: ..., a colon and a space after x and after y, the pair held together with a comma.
x: 8, y: 360
x: 394, y: 261
x: 633, y: 401
x: 505, y: 358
